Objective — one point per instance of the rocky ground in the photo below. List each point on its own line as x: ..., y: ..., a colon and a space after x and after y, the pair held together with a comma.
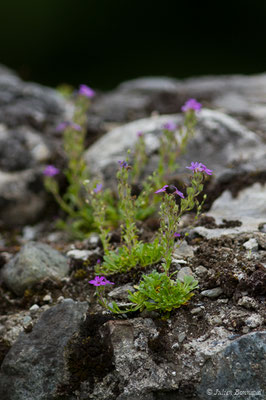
x: 56, y: 341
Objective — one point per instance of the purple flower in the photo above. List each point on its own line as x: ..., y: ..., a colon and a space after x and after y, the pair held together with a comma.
x: 100, y: 281
x: 191, y: 104
x: 86, y: 91
x: 98, y: 188
x: 98, y: 261
x: 176, y: 235
x: 123, y: 164
x: 199, y: 167
x: 67, y: 124
x: 195, y: 166
x: 51, y: 170
x: 140, y: 134
x: 174, y: 191
x: 205, y: 169
x: 169, y: 126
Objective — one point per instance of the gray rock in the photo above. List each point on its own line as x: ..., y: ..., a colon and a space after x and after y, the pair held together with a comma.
x: 238, y: 95
x: 212, y: 293
x: 251, y: 245
x: 21, y: 148
x: 79, y: 254
x: 121, y: 292
x: 34, y: 262
x: 249, y: 207
x: 137, y: 99
x: 184, y: 272
x: 248, y: 302
x: 22, y: 197
x: 35, y: 364
x: 23, y: 103
x: 183, y: 250
x: 221, y: 140
x: 201, y: 271
x: 236, y: 372
x: 254, y: 320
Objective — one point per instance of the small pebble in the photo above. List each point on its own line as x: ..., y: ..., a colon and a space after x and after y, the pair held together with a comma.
x: 175, y: 346
x: 212, y: 293
x: 248, y: 303
x: 251, y: 245
x: 34, y: 309
x: 201, y: 271
x: 60, y: 299
x: 184, y: 272
x: 79, y: 254
x: 254, y: 321
x: 197, y: 310
x: 47, y: 298
x: 27, y: 323
x: 181, y: 337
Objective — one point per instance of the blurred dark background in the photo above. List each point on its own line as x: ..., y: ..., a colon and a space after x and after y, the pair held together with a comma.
x: 103, y: 42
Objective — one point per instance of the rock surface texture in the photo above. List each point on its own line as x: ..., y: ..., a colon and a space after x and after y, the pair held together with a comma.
x: 56, y: 341
x: 34, y: 262
x: 35, y: 363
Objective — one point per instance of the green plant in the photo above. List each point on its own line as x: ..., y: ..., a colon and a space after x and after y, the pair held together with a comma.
x: 156, y: 291
x: 124, y: 259
x: 73, y: 201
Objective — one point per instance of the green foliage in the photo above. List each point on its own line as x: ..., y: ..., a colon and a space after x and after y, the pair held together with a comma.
x: 157, y: 291
x: 124, y: 259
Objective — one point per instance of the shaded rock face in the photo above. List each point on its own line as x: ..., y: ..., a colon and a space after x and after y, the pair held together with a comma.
x: 27, y: 104
x: 106, y: 359
x: 221, y: 142
x: 35, y: 364
x: 34, y: 262
x: 239, y: 371
x: 241, y: 96
x: 27, y: 112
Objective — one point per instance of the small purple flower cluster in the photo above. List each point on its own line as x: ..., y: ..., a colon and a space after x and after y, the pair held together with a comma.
x: 51, y: 170
x: 67, y: 124
x: 86, y: 91
x: 98, y: 188
x: 123, y: 164
x: 169, y: 126
x: 164, y: 189
x: 100, y: 281
x: 199, y: 167
x: 191, y: 104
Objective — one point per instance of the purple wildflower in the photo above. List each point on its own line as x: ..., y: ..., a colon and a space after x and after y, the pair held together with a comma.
x: 176, y: 235
x: 191, y: 104
x: 98, y: 261
x: 100, y: 281
x: 163, y: 189
x: 199, y: 167
x: 123, y: 164
x: 205, y: 169
x: 175, y: 190
x: 140, y: 134
x: 195, y: 166
x: 67, y: 124
x: 169, y: 126
x: 98, y: 188
x: 86, y: 91
x: 51, y: 170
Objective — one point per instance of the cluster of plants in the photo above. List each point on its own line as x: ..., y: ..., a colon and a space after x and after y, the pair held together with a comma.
x: 91, y: 207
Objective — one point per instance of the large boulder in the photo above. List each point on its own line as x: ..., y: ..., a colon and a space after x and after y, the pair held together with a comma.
x: 35, y: 364
x: 220, y: 142
x: 239, y: 371
x: 29, y: 114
